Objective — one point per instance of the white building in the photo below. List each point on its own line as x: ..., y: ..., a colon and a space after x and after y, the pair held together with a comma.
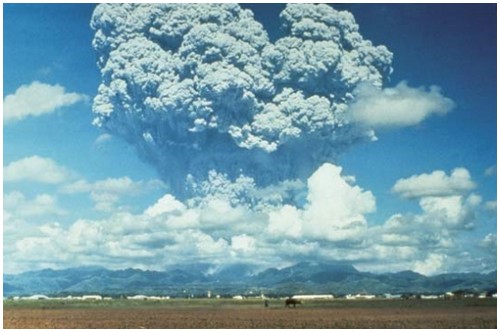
x: 92, y: 297
x: 313, y: 297
x: 35, y: 297
x: 137, y: 297
x: 237, y: 297
x: 360, y: 297
x: 429, y: 297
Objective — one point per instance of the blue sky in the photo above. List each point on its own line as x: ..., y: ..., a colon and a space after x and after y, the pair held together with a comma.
x: 111, y: 197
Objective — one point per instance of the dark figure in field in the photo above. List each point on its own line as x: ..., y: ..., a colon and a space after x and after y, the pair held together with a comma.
x: 266, y: 303
x: 290, y: 301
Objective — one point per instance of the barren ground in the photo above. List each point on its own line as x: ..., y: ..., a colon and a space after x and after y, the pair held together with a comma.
x: 420, y: 314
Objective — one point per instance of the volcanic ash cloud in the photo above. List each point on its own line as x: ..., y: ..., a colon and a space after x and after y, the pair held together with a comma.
x: 200, y: 87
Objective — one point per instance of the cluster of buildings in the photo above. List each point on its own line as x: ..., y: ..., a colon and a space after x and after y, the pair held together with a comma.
x: 366, y: 296
x: 359, y: 296
x: 88, y: 297
x: 446, y: 296
x: 70, y: 297
x: 144, y: 297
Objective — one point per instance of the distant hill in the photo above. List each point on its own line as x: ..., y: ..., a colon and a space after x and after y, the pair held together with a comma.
x: 306, y: 277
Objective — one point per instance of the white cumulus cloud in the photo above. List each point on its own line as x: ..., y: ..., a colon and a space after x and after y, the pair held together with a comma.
x: 243, y: 243
x: 287, y: 221
x: 430, y: 265
x: 437, y: 183
x: 333, y: 197
x: 166, y: 204
x: 36, y: 99
x: 331, y: 223
x: 400, y: 106
x: 119, y: 186
x: 489, y: 242
x: 335, y: 209
x: 36, y: 169
x: 491, y: 206
x: 16, y: 205
x: 452, y: 211
x: 107, y: 193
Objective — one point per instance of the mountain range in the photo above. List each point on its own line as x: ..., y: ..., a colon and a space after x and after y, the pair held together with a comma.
x: 337, y: 278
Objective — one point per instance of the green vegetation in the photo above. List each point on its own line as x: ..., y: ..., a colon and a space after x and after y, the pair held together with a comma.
x: 129, y: 304
x: 247, y: 303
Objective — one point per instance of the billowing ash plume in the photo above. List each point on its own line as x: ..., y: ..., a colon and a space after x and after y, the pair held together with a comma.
x: 199, y: 87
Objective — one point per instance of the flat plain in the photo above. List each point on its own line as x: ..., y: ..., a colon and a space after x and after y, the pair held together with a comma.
x: 222, y: 313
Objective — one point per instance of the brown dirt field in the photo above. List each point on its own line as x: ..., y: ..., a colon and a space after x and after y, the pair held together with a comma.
x: 468, y: 317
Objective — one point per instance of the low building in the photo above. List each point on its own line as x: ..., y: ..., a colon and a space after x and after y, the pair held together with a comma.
x: 237, y: 297
x: 35, y: 297
x: 392, y: 296
x: 429, y: 297
x: 360, y: 297
x: 92, y: 297
x: 137, y: 297
x: 313, y: 297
